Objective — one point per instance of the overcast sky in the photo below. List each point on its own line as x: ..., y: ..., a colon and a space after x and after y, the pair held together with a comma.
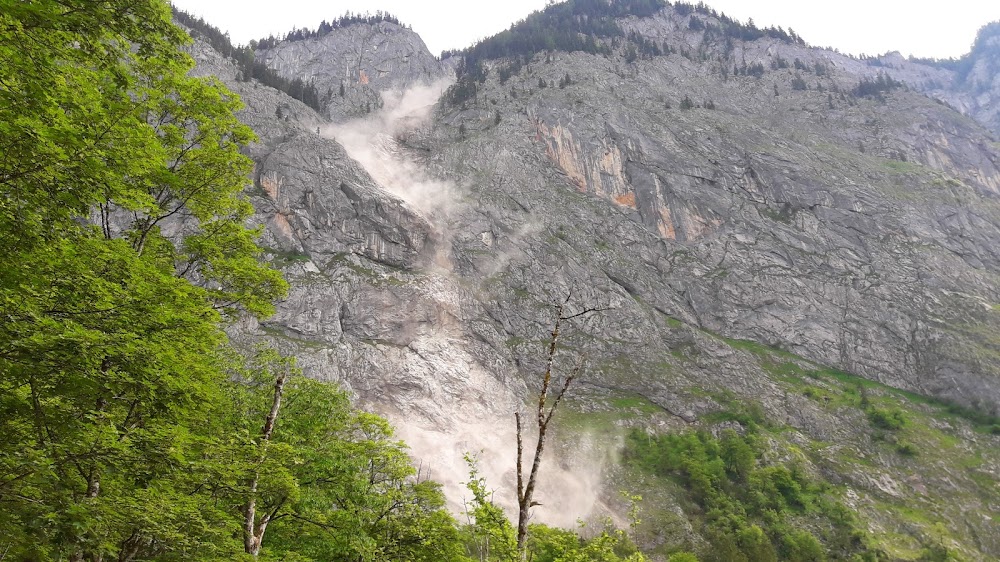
x: 923, y: 29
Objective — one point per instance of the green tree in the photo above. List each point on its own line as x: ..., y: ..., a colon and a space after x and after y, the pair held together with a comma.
x: 559, y: 545
x: 309, y: 476
x: 112, y: 357
x: 738, y: 455
x: 489, y: 534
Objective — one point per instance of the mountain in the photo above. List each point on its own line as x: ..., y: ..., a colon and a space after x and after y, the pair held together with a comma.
x: 781, y: 240
x: 351, y: 64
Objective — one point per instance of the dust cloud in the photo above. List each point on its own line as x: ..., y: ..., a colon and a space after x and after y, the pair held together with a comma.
x: 463, y: 407
x: 569, y: 484
x: 373, y: 142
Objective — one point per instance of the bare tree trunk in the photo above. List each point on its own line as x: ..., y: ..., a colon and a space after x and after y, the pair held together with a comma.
x: 253, y: 530
x: 526, y: 488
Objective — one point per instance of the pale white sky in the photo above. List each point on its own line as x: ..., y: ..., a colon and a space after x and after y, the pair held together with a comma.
x: 924, y: 29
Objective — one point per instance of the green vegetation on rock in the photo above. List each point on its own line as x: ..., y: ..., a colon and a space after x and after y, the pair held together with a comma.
x: 747, y: 507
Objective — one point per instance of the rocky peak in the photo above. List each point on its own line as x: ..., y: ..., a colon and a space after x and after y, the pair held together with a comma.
x: 351, y: 64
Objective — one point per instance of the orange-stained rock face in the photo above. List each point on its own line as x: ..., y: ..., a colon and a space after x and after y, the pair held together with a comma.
x: 666, y: 224
x: 600, y: 170
x: 626, y: 200
x: 595, y: 171
x: 271, y: 184
x: 281, y: 224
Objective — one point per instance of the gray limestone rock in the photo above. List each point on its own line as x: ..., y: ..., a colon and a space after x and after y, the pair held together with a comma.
x: 361, y: 60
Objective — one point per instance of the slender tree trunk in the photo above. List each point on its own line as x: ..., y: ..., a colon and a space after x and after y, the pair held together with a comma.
x: 526, y: 488
x: 253, y: 530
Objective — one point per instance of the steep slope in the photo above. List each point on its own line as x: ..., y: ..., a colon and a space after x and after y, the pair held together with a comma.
x: 751, y: 254
x: 855, y: 232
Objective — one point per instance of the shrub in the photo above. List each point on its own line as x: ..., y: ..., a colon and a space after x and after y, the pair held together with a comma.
x: 888, y: 419
x: 906, y: 449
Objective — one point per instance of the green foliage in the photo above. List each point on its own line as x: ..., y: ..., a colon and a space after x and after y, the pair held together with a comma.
x: 989, y: 422
x: 983, y: 48
x: 801, y: 546
x: 756, y: 70
x: 935, y: 552
x: 730, y: 28
x: 887, y: 419
x: 546, y: 544
x: 747, y: 506
x: 575, y: 25
x: 325, y: 27
x: 749, y: 414
x: 489, y: 536
x: 111, y: 347
x: 332, y: 478
x: 907, y: 449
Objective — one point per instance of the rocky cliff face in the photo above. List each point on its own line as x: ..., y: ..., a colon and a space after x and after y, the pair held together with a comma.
x: 757, y: 252
x: 834, y: 227
x: 350, y: 66
x: 979, y: 79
